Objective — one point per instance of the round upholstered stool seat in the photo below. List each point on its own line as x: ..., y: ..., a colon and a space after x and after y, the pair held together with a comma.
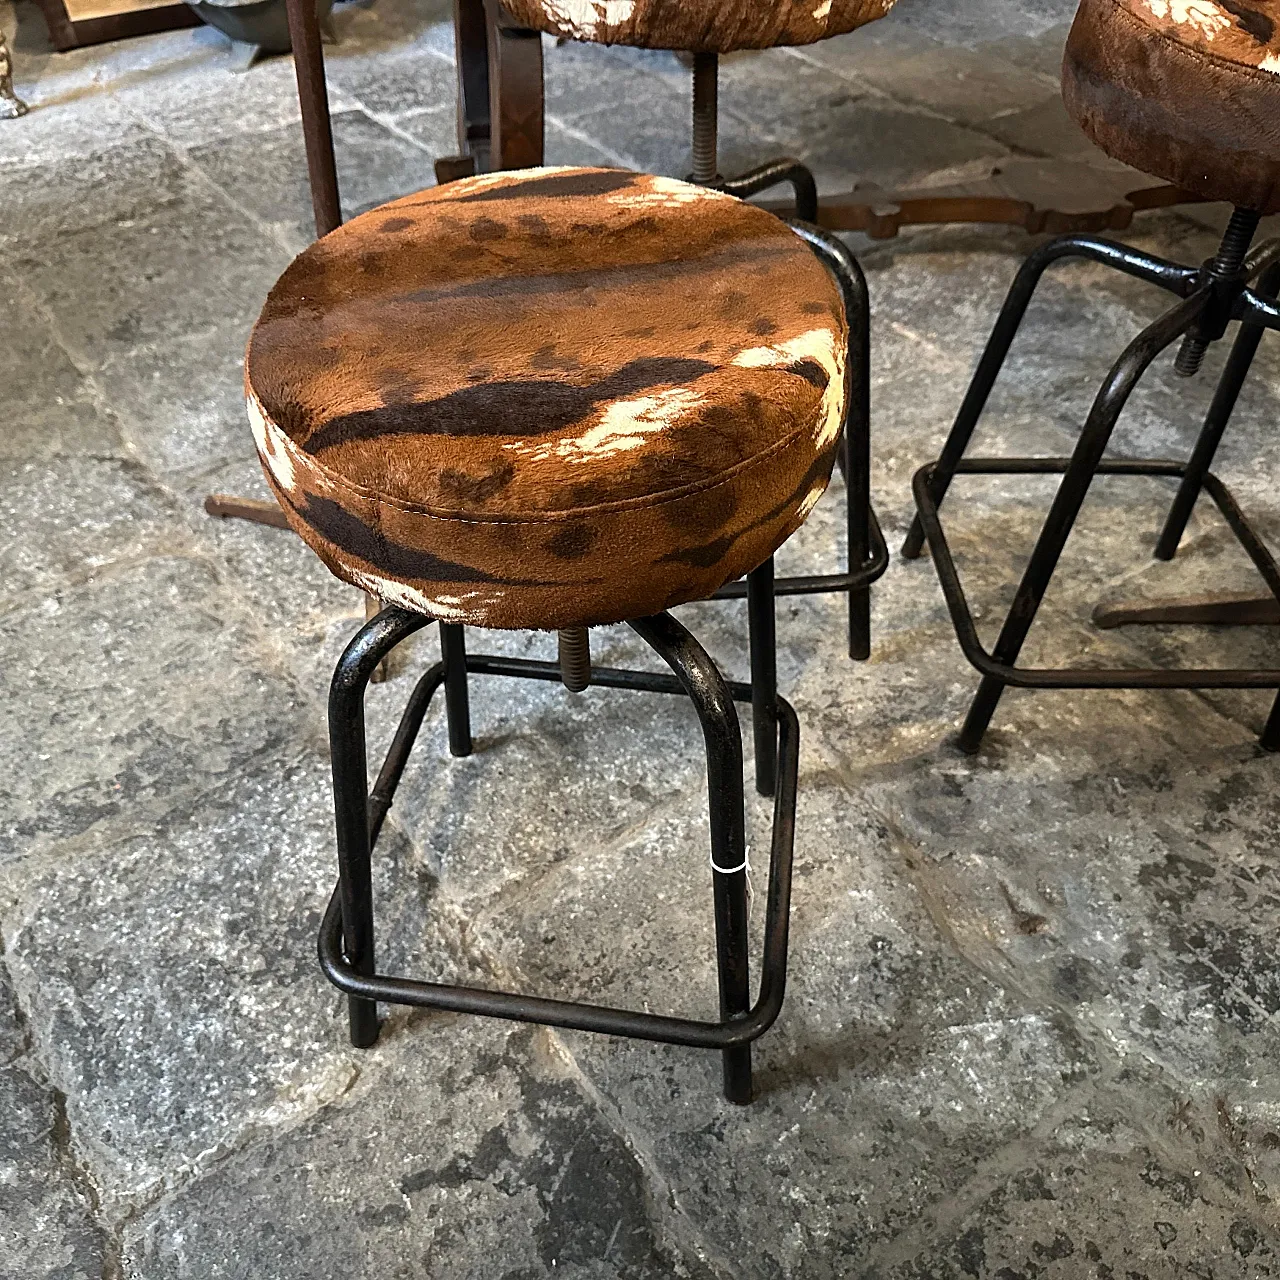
x: 550, y: 398
x: 698, y: 26
x: 1188, y: 90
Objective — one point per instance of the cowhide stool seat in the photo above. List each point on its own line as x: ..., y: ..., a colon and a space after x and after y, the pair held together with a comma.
x: 707, y: 29
x: 1188, y: 90
x: 553, y: 399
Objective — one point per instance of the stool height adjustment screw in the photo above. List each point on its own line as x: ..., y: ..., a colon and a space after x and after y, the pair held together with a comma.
x: 575, y: 658
x: 706, y: 115
x: 1229, y: 259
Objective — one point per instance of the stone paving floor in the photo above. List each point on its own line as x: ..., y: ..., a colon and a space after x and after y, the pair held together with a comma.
x: 1032, y: 1024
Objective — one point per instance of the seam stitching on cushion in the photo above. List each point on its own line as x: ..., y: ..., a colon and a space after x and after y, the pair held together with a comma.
x: 1193, y: 53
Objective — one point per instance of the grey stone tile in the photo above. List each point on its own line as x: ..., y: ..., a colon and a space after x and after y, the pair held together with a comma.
x: 180, y: 405
x: 394, y: 86
x: 115, y: 184
x: 127, y: 692
x: 267, y: 172
x: 181, y: 261
x: 13, y: 1026
x: 374, y: 29
x: 558, y: 774
x: 62, y: 520
x: 958, y: 22
x: 581, y: 79
x: 172, y: 975
x: 435, y: 130
x: 959, y: 84
x: 890, y: 1059
x: 51, y: 409
x: 472, y: 1153
x: 1044, y: 129
x: 182, y: 409
x: 213, y: 98
x: 46, y: 1228
x: 567, y: 144
x: 1114, y: 1191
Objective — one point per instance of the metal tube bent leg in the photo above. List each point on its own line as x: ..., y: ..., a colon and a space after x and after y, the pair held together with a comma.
x: 351, y: 798
x: 1130, y: 261
x: 762, y: 626
x: 855, y: 444
x: 457, y: 701
x: 714, y: 705
x: 1230, y: 385
x: 1067, y: 502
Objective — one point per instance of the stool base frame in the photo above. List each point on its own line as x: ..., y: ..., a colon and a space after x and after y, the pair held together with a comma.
x: 1210, y: 300
x: 346, y: 944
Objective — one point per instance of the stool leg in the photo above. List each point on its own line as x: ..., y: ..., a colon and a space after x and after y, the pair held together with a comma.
x: 727, y: 818
x: 1270, y: 739
x: 1230, y: 385
x: 984, y: 379
x: 1089, y: 449
x: 762, y: 621
x: 729, y: 851
x: 347, y: 754
x: 856, y: 446
x: 457, y: 701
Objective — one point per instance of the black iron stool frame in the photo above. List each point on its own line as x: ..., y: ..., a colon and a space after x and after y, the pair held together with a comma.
x: 867, y: 554
x: 346, y: 945
x: 1213, y: 295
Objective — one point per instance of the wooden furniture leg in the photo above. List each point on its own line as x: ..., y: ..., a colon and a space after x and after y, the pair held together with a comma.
x: 322, y: 172
x: 500, y: 93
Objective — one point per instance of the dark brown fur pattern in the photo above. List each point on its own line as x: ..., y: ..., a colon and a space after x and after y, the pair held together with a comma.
x: 1188, y: 90
x: 700, y: 26
x: 550, y: 398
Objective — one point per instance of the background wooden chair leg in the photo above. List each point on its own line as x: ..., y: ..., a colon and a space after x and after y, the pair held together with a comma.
x: 516, y: 102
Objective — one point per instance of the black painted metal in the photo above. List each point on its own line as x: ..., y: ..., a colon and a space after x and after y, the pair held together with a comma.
x: 1228, y: 391
x: 777, y: 173
x: 1222, y: 272
x: 457, y: 703
x: 346, y: 943
x: 1201, y: 294
x: 764, y: 675
x: 868, y: 556
x: 1168, y: 275
x: 347, y: 749
x: 706, y: 118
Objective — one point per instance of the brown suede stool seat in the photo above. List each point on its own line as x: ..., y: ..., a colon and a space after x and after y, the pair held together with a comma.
x: 550, y: 398
x: 1188, y: 90
x: 699, y: 26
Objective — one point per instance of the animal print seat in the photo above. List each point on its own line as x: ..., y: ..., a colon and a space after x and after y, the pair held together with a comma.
x: 698, y: 26
x: 550, y: 398
x: 1188, y: 90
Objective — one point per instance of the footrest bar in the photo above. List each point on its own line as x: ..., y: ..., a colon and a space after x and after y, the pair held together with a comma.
x: 573, y: 1016
x: 1076, y: 677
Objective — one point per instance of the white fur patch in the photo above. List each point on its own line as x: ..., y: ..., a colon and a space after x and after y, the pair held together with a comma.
x: 273, y: 446
x: 586, y: 19
x: 664, y: 193
x: 821, y: 346
x: 1205, y: 16
x: 1271, y: 63
x: 628, y: 424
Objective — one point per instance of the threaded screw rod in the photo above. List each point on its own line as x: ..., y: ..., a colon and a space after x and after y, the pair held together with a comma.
x: 575, y: 658
x: 1227, y: 262
x: 706, y: 117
